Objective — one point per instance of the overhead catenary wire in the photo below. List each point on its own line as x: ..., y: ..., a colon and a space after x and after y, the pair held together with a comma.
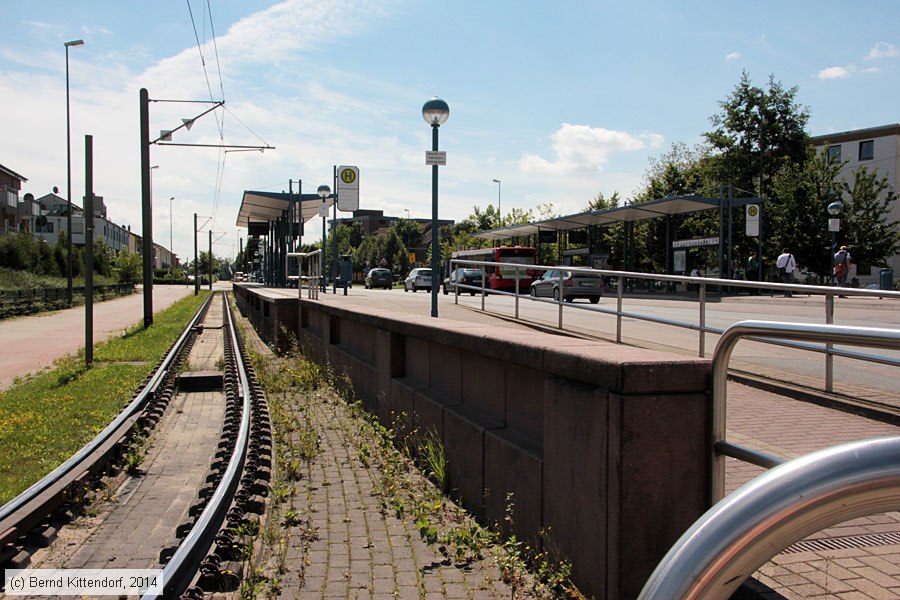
x: 220, y: 124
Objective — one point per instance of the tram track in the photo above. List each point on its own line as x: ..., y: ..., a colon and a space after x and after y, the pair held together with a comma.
x: 212, y: 505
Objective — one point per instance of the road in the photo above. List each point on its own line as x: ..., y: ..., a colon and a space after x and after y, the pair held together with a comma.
x: 852, y: 377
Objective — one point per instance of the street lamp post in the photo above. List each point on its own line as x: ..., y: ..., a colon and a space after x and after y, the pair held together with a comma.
x: 435, y: 112
x: 68, y: 45
x: 171, y: 254
x: 499, y: 214
x: 324, y: 191
x: 834, y: 225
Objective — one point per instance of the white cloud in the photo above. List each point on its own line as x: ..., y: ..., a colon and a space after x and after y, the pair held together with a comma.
x: 835, y: 73
x: 582, y: 147
x: 883, y: 50
x: 732, y: 56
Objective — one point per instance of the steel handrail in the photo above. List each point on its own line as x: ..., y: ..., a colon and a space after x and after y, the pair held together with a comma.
x: 872, y: 337
x: 768, y: 514
x: 77, y: 460
x: 701, y: 327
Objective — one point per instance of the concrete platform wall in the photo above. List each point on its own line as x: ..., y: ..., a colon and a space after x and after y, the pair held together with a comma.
x: 603, y: 448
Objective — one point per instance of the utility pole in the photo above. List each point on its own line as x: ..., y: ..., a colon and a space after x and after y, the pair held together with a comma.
x: 88, y: 250
x: 196, y: 260
x: 146, y: 208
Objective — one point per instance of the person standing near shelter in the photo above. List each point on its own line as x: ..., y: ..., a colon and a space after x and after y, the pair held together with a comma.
x: 841, y: 266
x: 786, y: 264
x: 751, y: 273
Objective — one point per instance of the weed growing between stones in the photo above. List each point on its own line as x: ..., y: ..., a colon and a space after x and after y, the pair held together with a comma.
x: 412, y: 483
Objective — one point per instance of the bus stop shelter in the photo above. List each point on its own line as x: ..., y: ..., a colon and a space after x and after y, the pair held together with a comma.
x: 278, y: 217
x: 629, y: 214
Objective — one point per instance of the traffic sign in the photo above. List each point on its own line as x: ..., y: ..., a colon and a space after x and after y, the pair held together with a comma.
x: 348, y: 189
x: 435, y: 157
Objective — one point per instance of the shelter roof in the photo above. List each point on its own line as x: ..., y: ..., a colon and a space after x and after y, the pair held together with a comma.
x: 670, y: 205
x: 263, y: 207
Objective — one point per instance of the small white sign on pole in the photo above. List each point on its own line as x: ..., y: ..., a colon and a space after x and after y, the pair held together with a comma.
x: 436, y: 157
x: 323, y: 209
x: 348, y: 189
x: 834, y: 224
x: 753, y: 220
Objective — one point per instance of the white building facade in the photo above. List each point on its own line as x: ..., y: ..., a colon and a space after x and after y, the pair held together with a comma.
x: 875, y: 148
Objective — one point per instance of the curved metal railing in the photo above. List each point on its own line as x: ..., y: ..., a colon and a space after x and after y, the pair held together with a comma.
x: 873, y: 337
x: 782, y: 506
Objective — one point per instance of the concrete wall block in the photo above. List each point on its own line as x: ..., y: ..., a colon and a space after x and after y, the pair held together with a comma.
x: 367, y: 386
x: 663, y: 445
x: 513, y: 467
x: 417, y: 360
x: 463, y: 442
x: 576, y: 463
x: 483, y: 383
x: 359, y: 338
x: 525, y: 402
x: 445, y: 370
x: 429, y: 411
x: 398, y: 409
x: 284, y: 323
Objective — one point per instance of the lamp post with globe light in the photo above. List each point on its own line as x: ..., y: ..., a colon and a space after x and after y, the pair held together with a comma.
x: 834, y: 225
x: 435, y: 112
x: 324, y: 191
x: 499, y: 214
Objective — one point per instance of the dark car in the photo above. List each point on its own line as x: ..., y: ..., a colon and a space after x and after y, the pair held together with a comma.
x: 469, y: 277
x: 575, y: 284
x: 377, y: 278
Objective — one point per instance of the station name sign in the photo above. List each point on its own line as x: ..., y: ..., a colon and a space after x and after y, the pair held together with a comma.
x: 696, y: 243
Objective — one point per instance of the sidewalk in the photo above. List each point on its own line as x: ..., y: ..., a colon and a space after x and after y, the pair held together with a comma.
x: 349, y: 522
x: 32, y: 343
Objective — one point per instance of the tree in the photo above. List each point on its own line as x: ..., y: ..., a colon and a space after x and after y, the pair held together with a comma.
x: 865, y: 224
x: 128, y: 267
x: 799, y: 215
x: 103, y: 258
x: 203, y: 261
x: 758, y: 132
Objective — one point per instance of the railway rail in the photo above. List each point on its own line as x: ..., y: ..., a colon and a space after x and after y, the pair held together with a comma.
x: 207, y: 555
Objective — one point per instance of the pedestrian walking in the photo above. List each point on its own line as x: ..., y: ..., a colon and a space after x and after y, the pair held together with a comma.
x: 841, y: 266
x: 786, y: 264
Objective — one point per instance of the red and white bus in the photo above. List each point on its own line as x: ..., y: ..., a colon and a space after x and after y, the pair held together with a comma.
x: 502, y: 278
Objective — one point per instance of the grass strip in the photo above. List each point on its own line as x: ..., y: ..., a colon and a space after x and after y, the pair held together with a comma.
x: 48, y: 417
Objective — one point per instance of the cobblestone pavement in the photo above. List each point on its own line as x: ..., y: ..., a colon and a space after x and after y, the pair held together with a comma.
x: 334, y: 537
x: 868, y: 566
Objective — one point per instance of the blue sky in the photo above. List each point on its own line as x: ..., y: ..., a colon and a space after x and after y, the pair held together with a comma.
x: 560, y: 101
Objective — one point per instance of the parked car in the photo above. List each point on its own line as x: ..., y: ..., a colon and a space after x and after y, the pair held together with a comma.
x: 418, y: 279
x: 471, y: 277
x: 377, y: 278
x: 577, y: 284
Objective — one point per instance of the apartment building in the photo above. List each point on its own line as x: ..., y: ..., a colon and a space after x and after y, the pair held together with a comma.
x: 872, y: 148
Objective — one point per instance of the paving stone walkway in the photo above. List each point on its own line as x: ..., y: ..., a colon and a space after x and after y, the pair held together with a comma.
x: 335, y: 535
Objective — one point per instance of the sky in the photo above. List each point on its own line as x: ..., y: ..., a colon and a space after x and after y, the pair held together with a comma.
x: 559, y: 101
